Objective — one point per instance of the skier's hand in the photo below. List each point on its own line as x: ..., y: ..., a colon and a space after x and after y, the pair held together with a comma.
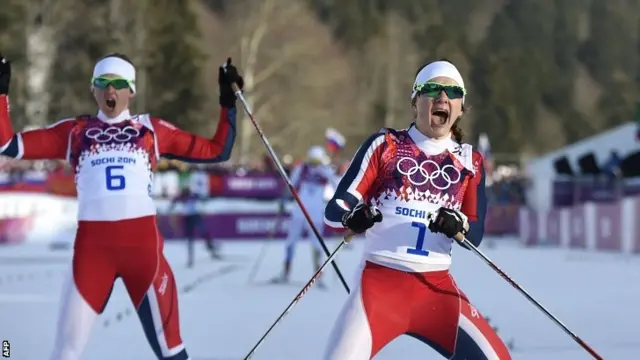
x: 449, y: 222
x: 227, y: 75
x: 5, y: 75
x: 361, y: 218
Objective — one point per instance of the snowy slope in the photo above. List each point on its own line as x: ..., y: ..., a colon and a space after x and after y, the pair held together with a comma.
x: 223, y: 316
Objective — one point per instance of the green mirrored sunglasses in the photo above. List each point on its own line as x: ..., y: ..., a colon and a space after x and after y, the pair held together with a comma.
x: 432, y: 89
x: 117, y: 83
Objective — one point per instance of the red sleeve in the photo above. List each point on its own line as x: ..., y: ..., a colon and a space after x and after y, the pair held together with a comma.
x: 6, y: 130
x: 474, y: 203
x: 174, y: 143
x: 471, y: 201
x: 48, y: 143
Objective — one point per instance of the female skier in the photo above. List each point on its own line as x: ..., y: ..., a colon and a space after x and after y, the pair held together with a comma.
x: 409, y: 181
x: 310, y: 180
x: 114, y: 154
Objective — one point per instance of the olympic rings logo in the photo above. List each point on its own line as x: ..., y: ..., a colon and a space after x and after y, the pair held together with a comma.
x: 112, y: 133
x: 442, y: 175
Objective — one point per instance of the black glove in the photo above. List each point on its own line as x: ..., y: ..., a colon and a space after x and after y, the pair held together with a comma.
x: 361, y: 218
x: 227, y: 75
x: 449, y: 222
x: 5, y: 75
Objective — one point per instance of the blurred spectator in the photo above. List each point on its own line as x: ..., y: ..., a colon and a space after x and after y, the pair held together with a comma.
x: 611, y: 167
x: 506, y: 186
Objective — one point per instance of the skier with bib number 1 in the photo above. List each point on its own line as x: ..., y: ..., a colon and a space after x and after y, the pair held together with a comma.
x: 410, y: 192
x: 114, y: 154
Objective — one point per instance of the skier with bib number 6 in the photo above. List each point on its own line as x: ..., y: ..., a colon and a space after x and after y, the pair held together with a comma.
x: 114, y: 154
x: 410, y: 192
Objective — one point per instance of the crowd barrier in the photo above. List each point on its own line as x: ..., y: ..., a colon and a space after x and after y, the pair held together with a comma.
x: 37, y: 217
x: 569, y: 192
x: 253, y: 186
x: 601, y: 226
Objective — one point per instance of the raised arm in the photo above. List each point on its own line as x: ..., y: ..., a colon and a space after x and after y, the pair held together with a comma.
x: 474, y: 203
x: 174, y: 143
x: 48, y: 143
x: 356, y: 182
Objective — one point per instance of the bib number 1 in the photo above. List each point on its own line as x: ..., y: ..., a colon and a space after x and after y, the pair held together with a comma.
x: 422, y: 231
x: 115, y: 181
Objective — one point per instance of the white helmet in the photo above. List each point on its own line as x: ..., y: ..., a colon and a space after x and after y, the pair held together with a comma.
x: 317, y: 155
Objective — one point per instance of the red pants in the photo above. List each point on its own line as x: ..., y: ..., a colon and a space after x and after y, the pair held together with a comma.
x: 130, y: 250
x: 427, y: 306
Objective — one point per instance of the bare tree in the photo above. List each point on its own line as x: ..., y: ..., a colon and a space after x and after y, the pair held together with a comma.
x: 393, y: 54
x: 402, y: 62
x: 44, y: 20
x: 292, y: 69
x: 12, y: 46
x: 385, y: 70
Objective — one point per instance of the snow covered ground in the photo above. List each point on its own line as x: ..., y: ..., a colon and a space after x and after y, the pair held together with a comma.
x: 223, y: 315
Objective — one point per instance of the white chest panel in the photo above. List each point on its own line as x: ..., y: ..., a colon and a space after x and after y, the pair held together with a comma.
x: 114, y: 171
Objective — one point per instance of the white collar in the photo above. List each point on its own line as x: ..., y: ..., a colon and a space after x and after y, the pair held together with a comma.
x: 431, y: 146
x: 124, y: 115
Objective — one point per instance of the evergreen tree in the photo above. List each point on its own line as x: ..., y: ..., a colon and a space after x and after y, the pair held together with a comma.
x: 608, y: 55
x: 12, y: 45
x: 81, y: 47
x: 173, y: 64
x: 524, y: 62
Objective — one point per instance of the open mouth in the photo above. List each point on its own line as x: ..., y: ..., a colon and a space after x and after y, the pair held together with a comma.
x: 111, y: 103
x: 440, y: 116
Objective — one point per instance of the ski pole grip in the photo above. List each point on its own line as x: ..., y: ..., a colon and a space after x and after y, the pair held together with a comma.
x: 349, y: 235
x: 235, y: 88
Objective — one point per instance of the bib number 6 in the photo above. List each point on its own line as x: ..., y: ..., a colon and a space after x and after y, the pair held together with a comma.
x: 422, y: 231
x: 115, y: 181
